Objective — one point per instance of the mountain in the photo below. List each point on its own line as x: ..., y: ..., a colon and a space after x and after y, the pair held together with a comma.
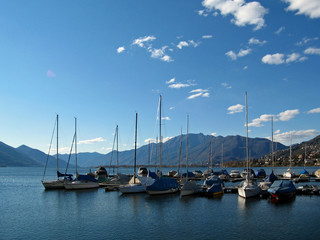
x: 198, y: 151
x: 41, y: 157
x: 298, y: 151
x: 11, y: 157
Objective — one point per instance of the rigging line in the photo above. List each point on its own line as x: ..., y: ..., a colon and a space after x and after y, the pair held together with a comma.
x: 73, y: 141
x: 155, y: 128
x: 114, y: 139
x: 45, y: 168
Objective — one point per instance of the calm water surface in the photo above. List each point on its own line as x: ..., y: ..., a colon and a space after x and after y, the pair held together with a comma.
x: 30, y: 212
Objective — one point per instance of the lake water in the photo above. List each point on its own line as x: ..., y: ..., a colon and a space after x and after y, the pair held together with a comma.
x: 27, y: 211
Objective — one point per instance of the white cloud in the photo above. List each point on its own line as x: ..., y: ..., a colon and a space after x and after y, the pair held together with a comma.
x: 310, y: 8
x: 152, y: 140
x: 280, y: 30
x: 258, y: 121
x: 312, y: 50
x: 180, y: 85
x: 203, y: 13
x: 91, y: 141
x: 241, y: 53
x: 277, y: 131
x: 288, y: 115
x: 226, y: 85
x: 297, y: 136
x: 306, y: 40
x: 199, y: 93
x: 51, y: 74
x: 257, y: 41
x: 243, y: 13
x: 283, y: 116
x: 277, y: 58
x: 172, y: 80
x: 142, y: 40
x: 238, y: 108
x: 207, y: 36
x: 171, y: 108
x: 188, y: 43
x: 213, y: 134
x: 315, y: 110
x: 120, y: 49
x: 160, y: 54
x: 295, y: 57
x: 245, y: 67
x: 166, y: 118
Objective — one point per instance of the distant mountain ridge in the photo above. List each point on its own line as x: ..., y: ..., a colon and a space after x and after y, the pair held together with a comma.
x: 198, y: 152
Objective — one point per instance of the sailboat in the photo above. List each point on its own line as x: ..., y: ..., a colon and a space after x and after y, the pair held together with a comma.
x: 248, y: 188
x: 304, y: 175
x: 209, y: 170
x: 81, y: 181
x: 271, y: 177
x: 282, y: 189
x: 61, y: 178
x: 163, y: 185
x: 137, y: 184
x: 189, y: 187
x: 289, y: 173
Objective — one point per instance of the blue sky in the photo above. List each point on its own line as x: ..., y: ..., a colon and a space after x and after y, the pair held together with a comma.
x: 102, y: 61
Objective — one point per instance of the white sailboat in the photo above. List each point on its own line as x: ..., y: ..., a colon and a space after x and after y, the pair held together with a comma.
x: 59, y: 182
x: 163, y: 185
x: 189, y: 187
x: 136, y: 184
x: 248, y: 188
x: 289, y: 173
x: 81, y: 181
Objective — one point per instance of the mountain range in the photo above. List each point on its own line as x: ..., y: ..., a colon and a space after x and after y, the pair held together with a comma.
x: 230, y: 148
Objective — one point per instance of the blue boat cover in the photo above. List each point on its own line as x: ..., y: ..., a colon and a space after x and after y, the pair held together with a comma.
x: 304, y: 172
x: 190, y: 175
x: 215, y: 188
x: 221, y: 172
x: 163, y: 184
x: 212, y: 180
x: 59, y: 174
x: 282, y: 186
x: 152, y: 175
x: 271, y: 178
x: 260, y: 173
x: 89, y: 178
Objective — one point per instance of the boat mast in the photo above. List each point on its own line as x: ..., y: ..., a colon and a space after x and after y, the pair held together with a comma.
x: 247, y: 143
x: 305, y: 156
x: 160, y: 145
x: 180, y: 154
x: 117, y: 150
x: 57, y: 143
x: 272, y: 153
x: 222, y: 150
x: 135, y: 152
x: 187, y: 144
x: 210, y: 155
x: 149, y: 156
x: 75, y: 142
x: 290, y: 150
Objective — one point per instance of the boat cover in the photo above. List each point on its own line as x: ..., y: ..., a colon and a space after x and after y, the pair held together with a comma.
x: 212, y: 180
x: 59, y: 174
x: 271, y: 178
x: 260, y: 173
x: 282, y: 186
x: 163, y: 184
x: 89, y: 178
x: 190, y: 175
x: 304, y: 172
x: 221, y: 172
x: 215, y: 188
x: 152, y: 175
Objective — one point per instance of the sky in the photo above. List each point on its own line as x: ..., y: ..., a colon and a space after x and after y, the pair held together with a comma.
x: 103, y: 61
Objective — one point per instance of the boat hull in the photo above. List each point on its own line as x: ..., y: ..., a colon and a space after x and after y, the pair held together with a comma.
x: 53, y: 184
x: 249, y: 190
x: 162, y: 192
x: 132, y: 188
x: 74, y: 185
